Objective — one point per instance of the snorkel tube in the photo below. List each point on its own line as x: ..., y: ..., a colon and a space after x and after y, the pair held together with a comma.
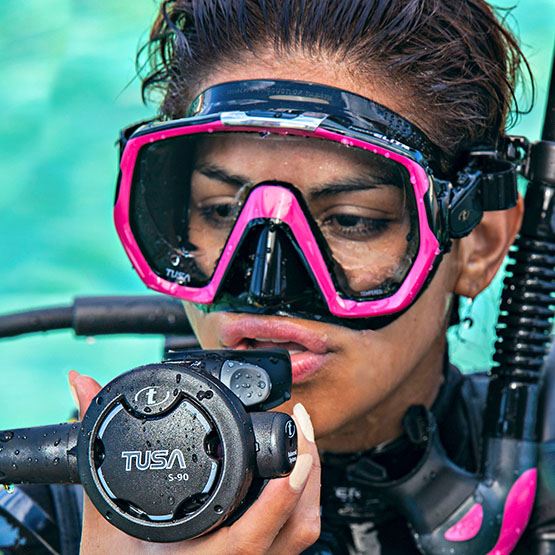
x: 449, y: 509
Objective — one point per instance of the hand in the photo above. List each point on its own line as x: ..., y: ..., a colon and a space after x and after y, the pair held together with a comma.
x: 284, y: 519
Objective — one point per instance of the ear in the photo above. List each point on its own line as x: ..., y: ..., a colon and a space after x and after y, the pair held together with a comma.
x: 481, y: 253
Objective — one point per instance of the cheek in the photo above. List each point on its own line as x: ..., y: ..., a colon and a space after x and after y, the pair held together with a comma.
x: 374, y: 366
x: 205, y: 333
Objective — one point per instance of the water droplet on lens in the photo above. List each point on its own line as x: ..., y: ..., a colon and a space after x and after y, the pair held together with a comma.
x: 56, y: 461
x: 174, y: 260
x: 6, y: 436
x: 171, y: 500
x: 16, y: 451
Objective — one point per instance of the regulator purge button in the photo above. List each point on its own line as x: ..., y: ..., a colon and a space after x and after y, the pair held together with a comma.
x: 249, y: 382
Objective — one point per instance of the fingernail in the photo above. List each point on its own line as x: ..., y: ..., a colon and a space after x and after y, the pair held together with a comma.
x: 304, y: 422
x: 301, y: 471
x: 71, y: 376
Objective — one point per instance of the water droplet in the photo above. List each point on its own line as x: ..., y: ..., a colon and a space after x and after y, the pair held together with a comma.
x: 178, y: 378
x: 98, y: 400
x: 195, y: 458
x: 14, y: 466
x: 171, y: 500
x: 6, y: 436
x: 57, y: 442
x: 219, y: 509
x: 175, y: 260
x: 56, y: 461
x: 109, y: 515
x: 147, y: 409
x: 16, y: 452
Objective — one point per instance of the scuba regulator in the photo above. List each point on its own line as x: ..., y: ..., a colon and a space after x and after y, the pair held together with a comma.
x: 169, y: 451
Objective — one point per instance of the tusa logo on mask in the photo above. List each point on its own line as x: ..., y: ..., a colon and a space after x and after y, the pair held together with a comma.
x: 153, y: 460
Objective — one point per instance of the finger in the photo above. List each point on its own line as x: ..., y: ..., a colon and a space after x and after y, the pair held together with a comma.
x: 257, y: 528
x: 84, y: 389
x: 302, y: 528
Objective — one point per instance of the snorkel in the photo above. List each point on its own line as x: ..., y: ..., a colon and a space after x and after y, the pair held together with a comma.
x: 488, y: 512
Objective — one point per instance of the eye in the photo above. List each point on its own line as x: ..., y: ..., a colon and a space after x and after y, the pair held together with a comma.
x: 219, y: 213
x: 353, y: 226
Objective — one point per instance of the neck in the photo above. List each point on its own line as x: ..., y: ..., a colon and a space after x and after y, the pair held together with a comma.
x: 383, y: 422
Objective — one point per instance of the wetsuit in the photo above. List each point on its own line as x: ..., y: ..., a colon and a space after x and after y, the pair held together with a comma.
x: 353, y: 520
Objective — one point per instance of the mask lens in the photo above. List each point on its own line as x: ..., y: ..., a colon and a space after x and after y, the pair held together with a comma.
x: 188, y: 192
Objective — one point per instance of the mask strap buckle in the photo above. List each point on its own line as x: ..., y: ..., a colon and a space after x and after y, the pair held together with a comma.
x: 487, y: 183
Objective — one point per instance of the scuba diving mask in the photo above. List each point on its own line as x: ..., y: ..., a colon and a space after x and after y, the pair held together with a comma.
x: 291, y: 198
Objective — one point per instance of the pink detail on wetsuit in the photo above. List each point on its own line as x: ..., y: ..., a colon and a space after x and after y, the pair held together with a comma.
x: 273, y: 201
x: 468, y: 526
x: 518, y: 508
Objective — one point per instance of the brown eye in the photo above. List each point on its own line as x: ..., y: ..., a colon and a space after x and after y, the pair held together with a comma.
x: 354, y: 227
x: 220, y: 215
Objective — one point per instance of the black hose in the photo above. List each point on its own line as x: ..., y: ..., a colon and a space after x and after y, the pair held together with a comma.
x: 152, y: 314
x: 32, y: 321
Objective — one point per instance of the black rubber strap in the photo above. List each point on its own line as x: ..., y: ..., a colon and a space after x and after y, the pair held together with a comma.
x: 499, y: 186
x: 68, y: 504
x: 353, y: 109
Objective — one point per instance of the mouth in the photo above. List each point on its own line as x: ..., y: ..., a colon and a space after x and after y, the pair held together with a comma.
x: 308, y: 349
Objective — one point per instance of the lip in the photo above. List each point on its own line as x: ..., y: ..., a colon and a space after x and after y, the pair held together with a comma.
x: 236, y: 333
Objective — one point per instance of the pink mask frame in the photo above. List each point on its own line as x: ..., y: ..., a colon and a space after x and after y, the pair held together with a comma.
x: 273, y: 201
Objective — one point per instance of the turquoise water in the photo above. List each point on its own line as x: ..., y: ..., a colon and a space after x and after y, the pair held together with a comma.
x: 67, y: 87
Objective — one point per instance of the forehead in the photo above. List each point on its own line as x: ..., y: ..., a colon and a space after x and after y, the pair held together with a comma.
x: 253, y: 152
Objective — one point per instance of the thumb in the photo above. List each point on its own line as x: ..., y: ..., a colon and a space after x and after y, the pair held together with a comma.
x: 83, y: 388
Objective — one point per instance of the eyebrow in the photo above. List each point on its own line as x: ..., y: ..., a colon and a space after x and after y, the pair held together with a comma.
x: 322, y: 191
x: 215, y: 172
x: 344, y: 186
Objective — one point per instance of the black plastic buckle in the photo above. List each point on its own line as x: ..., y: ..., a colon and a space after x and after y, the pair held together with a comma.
x: 487, y: 183
x: 516, y: 149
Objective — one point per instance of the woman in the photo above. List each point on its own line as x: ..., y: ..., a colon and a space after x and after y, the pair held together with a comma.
x: 437, y: 77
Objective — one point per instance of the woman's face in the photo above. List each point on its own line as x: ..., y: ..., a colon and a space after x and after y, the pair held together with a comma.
x: 356, y: 385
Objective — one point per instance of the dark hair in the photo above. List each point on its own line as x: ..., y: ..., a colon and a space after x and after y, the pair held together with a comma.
x: 454, y: 60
